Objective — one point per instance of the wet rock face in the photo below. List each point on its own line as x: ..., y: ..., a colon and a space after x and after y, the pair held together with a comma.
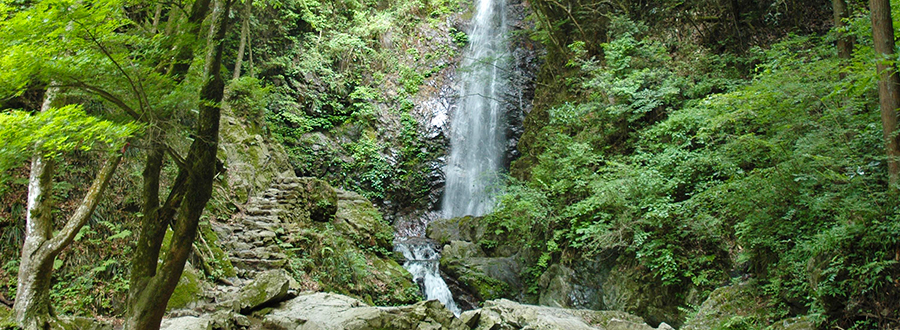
x: 525, y: 57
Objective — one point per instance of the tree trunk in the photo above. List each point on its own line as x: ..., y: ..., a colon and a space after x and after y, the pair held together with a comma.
x: 150, y: 290
x: 888, y: 84
x: 845, y: 41
x: 245, y: 36
x: 32, y: 306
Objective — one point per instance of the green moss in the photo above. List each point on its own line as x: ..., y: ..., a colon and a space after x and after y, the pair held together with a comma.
x: 187, y: 291
x: 484, y: 287
x: 6, y: 319
x: 220, y: 261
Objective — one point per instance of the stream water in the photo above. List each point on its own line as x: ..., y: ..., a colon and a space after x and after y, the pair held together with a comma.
x: 477, y: 145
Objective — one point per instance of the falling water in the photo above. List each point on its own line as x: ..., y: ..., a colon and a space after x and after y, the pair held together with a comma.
x: 477, y: 146
x: 477, y: 140
x: 422, y: 260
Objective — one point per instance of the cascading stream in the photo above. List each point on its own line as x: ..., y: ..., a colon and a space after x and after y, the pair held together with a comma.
x: 477, y: 144
x: 422, y: 261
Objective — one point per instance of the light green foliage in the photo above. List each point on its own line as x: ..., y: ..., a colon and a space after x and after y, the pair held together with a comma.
x: 54, y: 132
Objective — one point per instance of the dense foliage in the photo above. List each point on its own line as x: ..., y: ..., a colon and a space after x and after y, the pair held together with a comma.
x: 701, y: 173
x: 344, y: 78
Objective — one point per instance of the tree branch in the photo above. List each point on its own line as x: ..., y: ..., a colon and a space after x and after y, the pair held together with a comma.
x: 87, y: 206
x: 107, y: 96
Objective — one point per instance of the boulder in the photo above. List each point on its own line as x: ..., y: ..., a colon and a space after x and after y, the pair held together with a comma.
x: 188, y: 291
x: 326, y: 311
x: 309, y: 198
x: 268, y: 288
x: 794, y: 323
x: 506, y: 314
x: 185, y: 323
x: 360, y: 221
x: 251, y: 161
x: 729, y: 306
x: 561, y: 286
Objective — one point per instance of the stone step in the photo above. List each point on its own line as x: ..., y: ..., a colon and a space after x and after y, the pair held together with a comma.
x: 258, y: 211
x: 257, y: 263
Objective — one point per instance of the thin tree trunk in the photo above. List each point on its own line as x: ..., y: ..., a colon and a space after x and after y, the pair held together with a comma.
x: 888, y: 84
x: 149, y: 295
x: 845, y: 41
x: 245, y: 35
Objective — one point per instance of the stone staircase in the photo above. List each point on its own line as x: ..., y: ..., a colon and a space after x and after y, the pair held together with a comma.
x: 252, y: 239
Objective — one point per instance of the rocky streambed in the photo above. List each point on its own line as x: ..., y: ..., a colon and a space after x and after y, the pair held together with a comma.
x: 317, y: 310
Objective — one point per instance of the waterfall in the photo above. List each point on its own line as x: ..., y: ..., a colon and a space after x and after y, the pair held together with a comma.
x: 477, y: 145
x: 477, y: 138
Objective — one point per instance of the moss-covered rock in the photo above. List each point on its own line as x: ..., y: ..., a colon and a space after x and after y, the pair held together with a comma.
x: 79, y: 323
x: 250, y: 159
x: 360, y: 220
x: 268, y: 287
x: 485, y: 277
x: 731, y: 307
x: 217, y: 260
x: 188, y: 291
x: 794, y: 323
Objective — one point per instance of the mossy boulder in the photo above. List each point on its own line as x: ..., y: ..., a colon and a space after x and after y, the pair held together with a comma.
x: 730, y: 307
x: 485, y: 277
x: 360, y: 221
x: 308, y: 199
x: 250, y: 159
x: 217, y: 262
x: 188, y: 291
x: 467, y: 228
x: 319, y: 199
x: 80, y: 323
x: 395, y: 278
x: 269, y: 287
x: 794, y: 323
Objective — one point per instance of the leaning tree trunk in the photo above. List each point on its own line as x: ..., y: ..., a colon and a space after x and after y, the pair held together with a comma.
x: 888, y: 84
x: 32, y: 307
x: 150, y: 290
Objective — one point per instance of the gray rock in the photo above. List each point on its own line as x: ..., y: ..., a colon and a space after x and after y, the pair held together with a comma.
x: 185, y: 323
x: 795, y: 323
x: 269, y: 287
x: 326, y: 311
x: 505, y: 314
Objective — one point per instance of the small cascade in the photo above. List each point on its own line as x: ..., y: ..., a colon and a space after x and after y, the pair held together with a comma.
x: 422, y: 261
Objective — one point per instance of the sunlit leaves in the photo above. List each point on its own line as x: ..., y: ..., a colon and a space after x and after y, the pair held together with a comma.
x: 55, y: 132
